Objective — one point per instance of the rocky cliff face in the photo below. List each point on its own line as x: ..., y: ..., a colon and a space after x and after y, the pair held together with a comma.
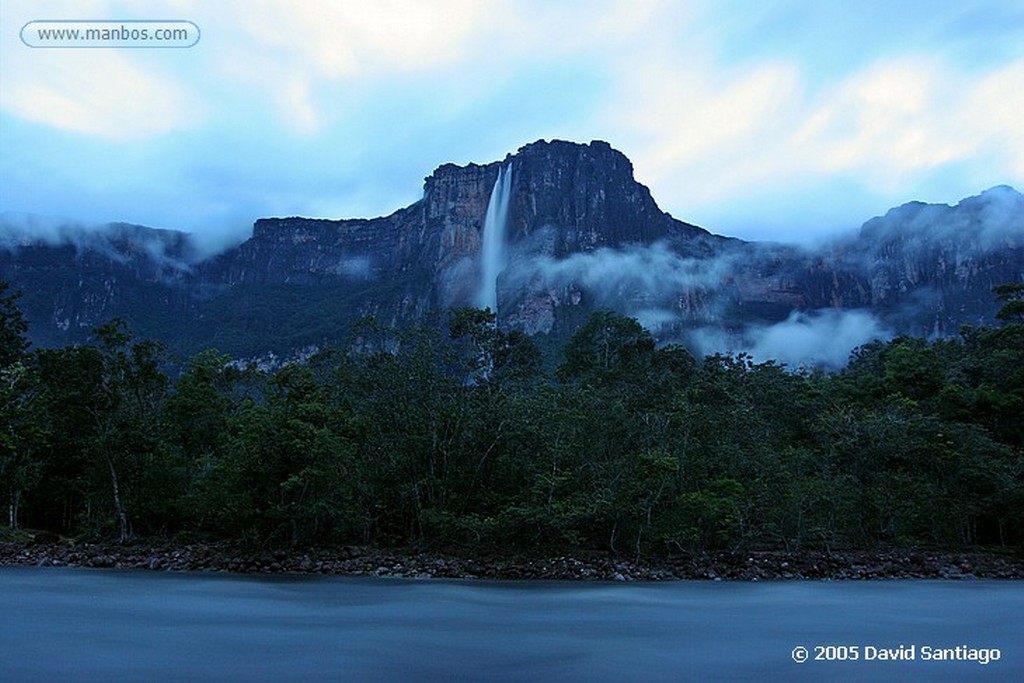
x: 587, y: 194
x: 932, y: 267
x: 566, y: 199
x: 77, y: 278
x: 581, y: 234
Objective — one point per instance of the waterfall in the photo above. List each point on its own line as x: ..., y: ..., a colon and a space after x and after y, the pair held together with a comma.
x: 492, y: 253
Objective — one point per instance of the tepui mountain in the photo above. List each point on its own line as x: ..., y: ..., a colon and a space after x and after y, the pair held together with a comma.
x: 545, y: 236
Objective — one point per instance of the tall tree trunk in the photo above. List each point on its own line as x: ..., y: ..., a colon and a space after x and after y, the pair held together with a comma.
x: 12, y: 507
x: 122, y: 519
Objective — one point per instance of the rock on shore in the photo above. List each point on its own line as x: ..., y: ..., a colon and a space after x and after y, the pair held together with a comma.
x: 352, y: 560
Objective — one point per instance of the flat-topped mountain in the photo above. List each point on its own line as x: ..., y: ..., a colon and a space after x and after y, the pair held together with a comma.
x: 547, y: 234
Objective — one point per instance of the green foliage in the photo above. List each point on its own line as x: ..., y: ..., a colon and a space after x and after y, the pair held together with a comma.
x: 13, y: 343
x: 452, y: 435
x: 68, y: 379
x: 22, y: 432
x: 711, y: 518
x: 23, y: 435
x: 608, y: 349
x: 126, y: 407
x: 1012, y: 310
x: 489, y: 354
x: 283, y: 475
x: 196, y: 414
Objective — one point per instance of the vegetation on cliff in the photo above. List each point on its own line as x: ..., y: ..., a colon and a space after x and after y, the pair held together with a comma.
x: 453, y: 435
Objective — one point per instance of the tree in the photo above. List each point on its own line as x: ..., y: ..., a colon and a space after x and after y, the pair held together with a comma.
x: 986, y: 384
x: 21, y: 431
x: 196, y: 414
x: 286, y: 473
x: 68, y: 379
x: 13, y: 343
x: 22, y: 434
x: 1012, y: 294
x: 609, y: 348
x: 489, y: 354
x: 126, y: 412
x: 912, y: 369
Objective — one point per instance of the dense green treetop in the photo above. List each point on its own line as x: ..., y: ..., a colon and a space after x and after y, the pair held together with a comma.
x: 452, y: 435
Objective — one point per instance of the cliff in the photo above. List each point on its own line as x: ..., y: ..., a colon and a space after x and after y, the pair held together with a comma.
x: 932, y: 267
x: 580, y: 233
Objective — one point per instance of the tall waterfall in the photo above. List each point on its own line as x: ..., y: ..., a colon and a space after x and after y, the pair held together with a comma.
x: 492, y: 252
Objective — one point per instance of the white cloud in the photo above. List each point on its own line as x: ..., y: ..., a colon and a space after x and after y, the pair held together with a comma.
x: 818, y: 338
x: 690, y: 124
x: 899, y: 119
x: 115, y: 94
x: 814, y: 338
x: 653, y: 270
x: 992, y: 112
x: 728, y: 115
x: 98, y: 92
x: 898, y: 123
x: 703, y: 128
x: 900, y: 131
x: 350, y: 40
x: 316, y: 61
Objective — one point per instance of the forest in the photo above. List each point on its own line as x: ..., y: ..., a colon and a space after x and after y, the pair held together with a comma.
x: 458, y: 435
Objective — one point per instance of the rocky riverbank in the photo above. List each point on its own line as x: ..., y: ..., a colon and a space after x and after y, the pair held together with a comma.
x: 359, y: 561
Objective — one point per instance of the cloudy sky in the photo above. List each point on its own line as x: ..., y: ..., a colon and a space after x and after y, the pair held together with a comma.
x: 769, y: 120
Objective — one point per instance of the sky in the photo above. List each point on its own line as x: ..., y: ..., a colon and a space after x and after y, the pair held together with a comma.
x: 787, y: 120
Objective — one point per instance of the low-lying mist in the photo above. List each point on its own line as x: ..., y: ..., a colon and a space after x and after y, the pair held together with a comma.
x: 820, y: 338
x: 686, y: 300
x: 118, y: 241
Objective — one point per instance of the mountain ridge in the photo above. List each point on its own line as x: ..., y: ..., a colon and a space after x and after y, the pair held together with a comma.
x: 582, y: 234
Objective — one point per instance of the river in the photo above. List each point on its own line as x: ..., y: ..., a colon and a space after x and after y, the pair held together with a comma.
x: 106, y: 625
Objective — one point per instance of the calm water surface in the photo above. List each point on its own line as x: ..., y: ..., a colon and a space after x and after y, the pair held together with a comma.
x: 102, y: 625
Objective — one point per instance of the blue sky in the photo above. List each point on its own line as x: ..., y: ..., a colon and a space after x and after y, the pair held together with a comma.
x: 782, y: 120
